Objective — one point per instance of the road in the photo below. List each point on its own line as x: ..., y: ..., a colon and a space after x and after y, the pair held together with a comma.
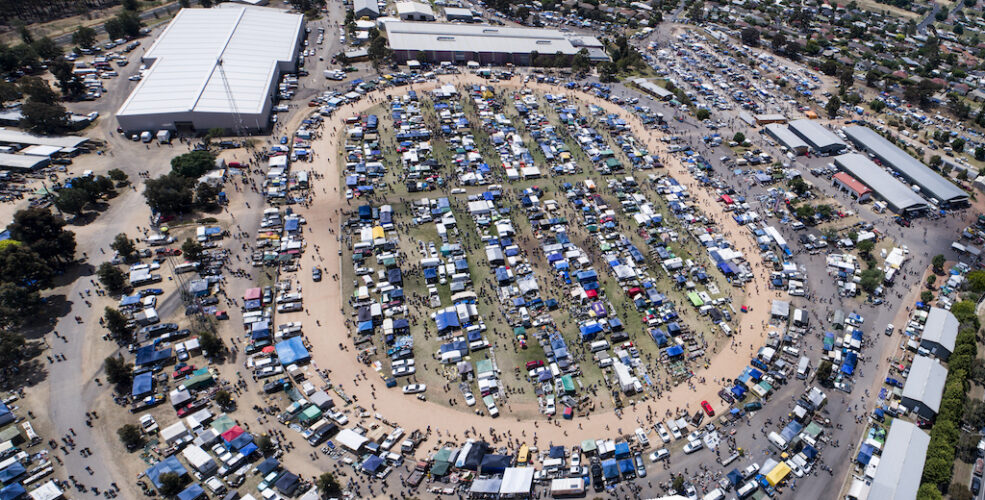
x: 146, y: 15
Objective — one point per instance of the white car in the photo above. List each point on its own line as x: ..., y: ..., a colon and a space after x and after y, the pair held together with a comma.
x: 693, y: 446
x: 338, y: 417
x: 795, y: 468
x: 661, y: 454
x: 404, y: 371
x: 469, y: 399
x: 662, y: 431
x: 415, y: 388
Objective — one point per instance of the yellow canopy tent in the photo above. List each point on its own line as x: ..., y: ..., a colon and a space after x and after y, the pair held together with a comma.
x: 378, y: 232
x: 779, y: 472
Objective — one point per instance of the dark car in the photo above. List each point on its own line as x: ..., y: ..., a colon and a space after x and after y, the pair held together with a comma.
x: 976, y: 485
x: 597, y: 482
x: 724, y: 394
x: 209, y: 301
x: 316, y: 274
x: 753, y: 406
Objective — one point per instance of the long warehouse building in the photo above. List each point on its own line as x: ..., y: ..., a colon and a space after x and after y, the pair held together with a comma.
x: 914, y: 171
x: 901, y: 463
x: 900, y: 198
x: 214, y: 68
x: 820, y: 139
x: 786, y: 138
x: 497, y: 45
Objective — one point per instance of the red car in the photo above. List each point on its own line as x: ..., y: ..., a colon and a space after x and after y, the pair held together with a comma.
x: 184, y: 370
x: 708, y: 409
x: 534, y: 364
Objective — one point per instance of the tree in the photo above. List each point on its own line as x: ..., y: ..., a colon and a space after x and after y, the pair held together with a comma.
x: 223, y: 399
x: 846, y: 79
x: 865, y: 246
x: 46, y: 48
x: 125, y: 24
x: 211, y: 343
x: 936, y: 471
x: 926, y: 296
x: 130, y: 5
x: 206, y: 3
x: 702, y: 114
x: 750, y: 36
x: 872, y: 77
x: 84, y: 37
x: 832, y: 107
x: 112, y: 278
x: 935, y: 162
x: 23, y: 267
x: 119, y: 177
x: 804, y: 212
x: 37, y: 90
x: 43, y: 232
x: 8, y: 92
x: 328, y: 485
x: 523, y: 13
x: 957, y: 145
x: 798, y: 186
x: 928, y: 492
x: 44, y: 119
x: 66, y: 79
x: 24, y: 33
x: 265, y: 444
x: 206, y: 195
x: 193, y: 164
x: 18, y: 305
x: 124, y: 246
x: 11, y: 348
x: 192, y: 250
x: 169, y: 194
x: 824, y: 371
x: 117, y: 370
x: 877, y: 105
x: 975, y: 281
x: 116, y: 323
x: 378, y: 50
x: 938, y: 263
x: 607, y: 71
x: 185, y: 3
x: 130, y: 435
x: 171, y: 482
x: 71, y: 200
x: 739, y: 137
x: 871, y: 279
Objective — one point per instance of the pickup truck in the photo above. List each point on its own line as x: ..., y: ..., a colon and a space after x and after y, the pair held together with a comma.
x: 417, y: 475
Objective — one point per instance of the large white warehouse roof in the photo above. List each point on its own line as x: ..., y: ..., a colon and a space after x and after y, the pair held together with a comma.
x: 221, y: 60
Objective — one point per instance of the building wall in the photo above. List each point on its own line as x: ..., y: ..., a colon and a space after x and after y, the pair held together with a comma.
x: 936, y: 349
x: 455, y: 57
x: 842, y: 186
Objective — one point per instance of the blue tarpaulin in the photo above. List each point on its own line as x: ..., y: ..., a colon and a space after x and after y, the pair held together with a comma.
x: 495, y: 464
x: 267, y: 466
x: 675, y: 350
x: 192, y: 492
x: 556, y: 452
x: 147, y: 355
x: 11, y: 473
x: 143, y: 384
x: 13, y: 492
x: 170, y: 464
x: 372, y: 464
x: 292, y: 351
x: 622, y: 450
x: 610, y: 468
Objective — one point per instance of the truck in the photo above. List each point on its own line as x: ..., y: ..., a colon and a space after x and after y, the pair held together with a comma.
x: 417, y: 475
x: 164, y: 136
x: 567, y: 487
x: 146, y: 136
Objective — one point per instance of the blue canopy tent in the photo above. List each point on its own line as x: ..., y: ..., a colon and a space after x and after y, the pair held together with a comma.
x: 626, y: 467
x: 12, y: 473
x: 675, y: 350
x: 372, y: 464
x: 267, y: 466
x: 193, y: 492
x: 734, y: 477
x: 170, y: 464
x: 249, y: 449
x: 143, y: 384
x: 495, y: 464
x: 147, y: 355
x: 292, y: 351
x: 13, y: 492
x: 865, y: 454
x: 556, y: 452
x: 622, y: 450
x: 610, y: 469
x: 288, y: 484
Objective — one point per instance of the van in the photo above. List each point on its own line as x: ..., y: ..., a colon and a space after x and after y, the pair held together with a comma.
x: 746, y: 490
x: 641, y: 437
x: 777, y: 441
x: 599, y: 345
x: 793, y: 351
x: 715, y: 494
x: 803, y: 367
x: 215, y: 486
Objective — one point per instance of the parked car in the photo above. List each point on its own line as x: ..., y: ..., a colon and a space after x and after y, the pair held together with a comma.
x: 661, y: 454
x: 708, y: 409
x: 316, y: 274
x: 414, y: 388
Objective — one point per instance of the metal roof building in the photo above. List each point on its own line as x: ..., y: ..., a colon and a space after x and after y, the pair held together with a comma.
x: 785, y: 137
x: 901, y: 464
x: 940, y: 332
x: 458, y: 14
x: 414, y: 11
x: 485, y: 44
x: 25, y: 139
x: 22, y: 163
x: 214, y: 68
x: 914, y: 171
x: 366, y: 8
x: 898, y: 196
x: 653, y: 89
x: 924, y: 387
x: 820, y: 139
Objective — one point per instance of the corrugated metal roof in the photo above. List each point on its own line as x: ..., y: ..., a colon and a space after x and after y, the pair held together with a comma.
x: 481, y: 38
x: 852, y: 183
x: 359, y: 5
x: 414, y: 8
x: 785, y: 136
x: 815, y: 135
x: 941, y: 327
x: 901, y: 464
x: 21, y: 162
x: 925, y: 383
x: 207, y: 55
x: 930, y: 182
x: 881, y: 182
x: 8, y: 136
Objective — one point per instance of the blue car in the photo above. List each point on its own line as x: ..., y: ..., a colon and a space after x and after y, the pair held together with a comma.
x: 151, y: 291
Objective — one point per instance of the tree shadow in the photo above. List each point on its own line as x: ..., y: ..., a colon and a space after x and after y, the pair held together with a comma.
x: 72, y: 273
x: 29, y: 372
x: 56, y: 306
x: 82, y: 219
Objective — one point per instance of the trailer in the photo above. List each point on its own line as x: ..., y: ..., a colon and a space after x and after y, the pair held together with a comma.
x: 567, y: 487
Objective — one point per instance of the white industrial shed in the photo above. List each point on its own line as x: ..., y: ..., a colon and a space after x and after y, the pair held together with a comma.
x: 901, y: 464
x: 820, y: 139
x: 786, y: 138
x: 414, y: 11
x: 214, y: 68
x: 898, y: 196
x: 22, y: 163
x: 940, y: 332
x: 366, y: 8
x: 924, y: 387
x: 913, y: 170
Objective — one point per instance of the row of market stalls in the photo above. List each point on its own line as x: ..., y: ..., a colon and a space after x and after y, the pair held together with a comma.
x: 24, y: 471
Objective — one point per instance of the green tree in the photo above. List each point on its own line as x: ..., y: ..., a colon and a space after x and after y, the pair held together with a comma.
x: 206, y: 195
x: 117, y: 370
x: 84, y: 37
x: 935, y: 161
x: 702, y: 114
x: 975, y: 281
x: 124, y: 246
x: 119, y: 177
x: 66, y: 79
x: 24, y: 33
x: 171, y: 482
x: 265, y: 444
x: 877, y: 105
x: 192, y: 250
x: 18, y: 305
x: 937, y: 471
x: 193, y: 164
x: 926, y: 296
x: 46, y: 48
x: 8, y: 92
x: 750, y: 37
x: 130, y: 5
x: 185, y: 3
x: 928, y: 491
x: 824, y: 371
x: 798, y: 186
x: 169, y: 194
x: 44, y: 119
x: 131, y: 436
x: 223, y: 398
x: 870, y: 279
x: 938, y: 263
x: 832, y: 107
x: 739, y: 137
x: 957, y: 145
x: 11, y: 348
x: 865, y: 247
x: 211, y: 343
x: 117, y: 324
x: 329, y: 486
x: 71, y: 201
x: 804, y: 211
x: 112, y: 278
x: 23, y: 267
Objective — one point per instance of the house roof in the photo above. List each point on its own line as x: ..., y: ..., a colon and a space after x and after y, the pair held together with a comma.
x: 901, y: 464
x: 941, y: 327
x: 851, y: 183
x: 925, y: 383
